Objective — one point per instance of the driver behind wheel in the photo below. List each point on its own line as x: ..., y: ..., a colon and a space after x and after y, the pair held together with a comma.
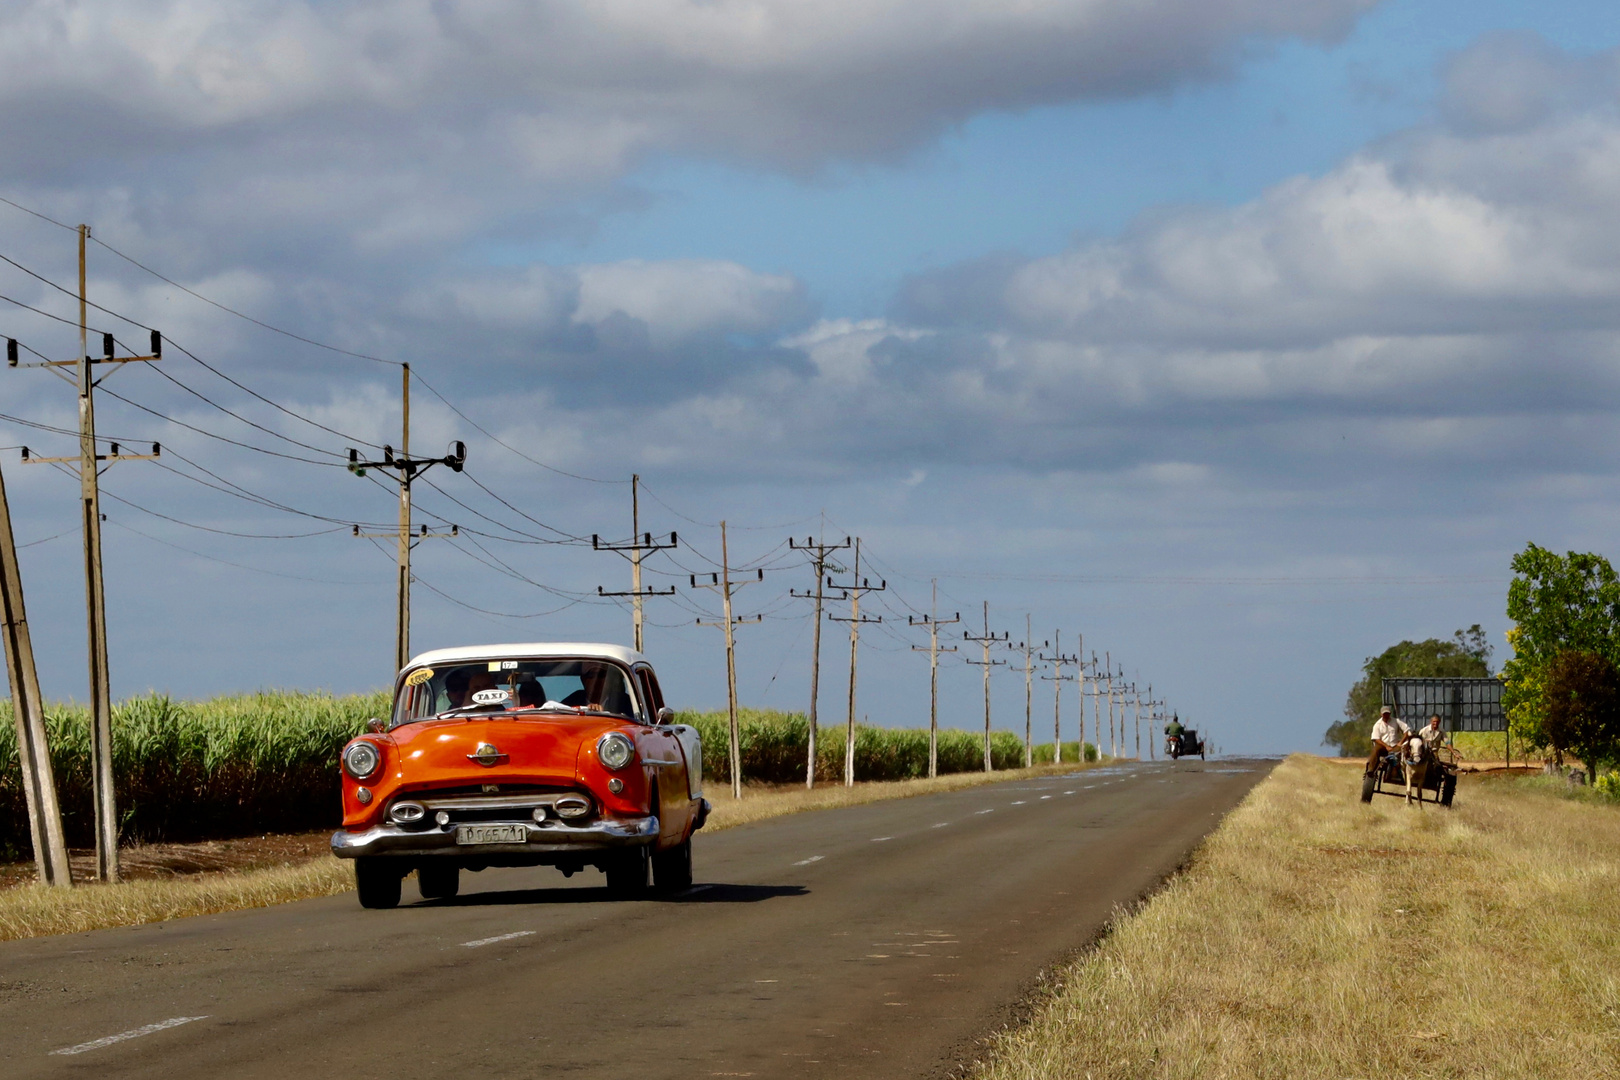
x: 1388, y: 734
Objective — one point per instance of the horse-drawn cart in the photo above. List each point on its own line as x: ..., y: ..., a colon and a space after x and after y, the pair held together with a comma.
x: 1438, y: 777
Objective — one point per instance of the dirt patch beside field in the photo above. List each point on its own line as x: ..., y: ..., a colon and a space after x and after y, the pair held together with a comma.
x: 166, y: 862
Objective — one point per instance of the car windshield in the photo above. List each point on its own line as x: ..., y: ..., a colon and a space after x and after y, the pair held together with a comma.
x: 500, y: 686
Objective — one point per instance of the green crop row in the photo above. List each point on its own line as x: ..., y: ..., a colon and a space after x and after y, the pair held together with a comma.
x: 268, y: 762
x: 194, y: 770
x: 773, y: 747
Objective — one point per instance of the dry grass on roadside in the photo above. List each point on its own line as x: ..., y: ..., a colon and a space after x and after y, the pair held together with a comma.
x: 1314, y: 936
x: 33, y: 910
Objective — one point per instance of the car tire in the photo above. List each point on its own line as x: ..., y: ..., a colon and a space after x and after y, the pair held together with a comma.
x: 1369, y: 784
x: 627, y: 873
x: 438, y: 881
x: 378, y: 882
x: 672, y: 869
x: 1448, y: 788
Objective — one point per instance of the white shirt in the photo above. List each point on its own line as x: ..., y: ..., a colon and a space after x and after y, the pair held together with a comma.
x: 1432, y: 736
x: 1391, y: 734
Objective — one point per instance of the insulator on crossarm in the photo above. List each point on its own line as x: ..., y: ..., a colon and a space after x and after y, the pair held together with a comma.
x: 107, y: 345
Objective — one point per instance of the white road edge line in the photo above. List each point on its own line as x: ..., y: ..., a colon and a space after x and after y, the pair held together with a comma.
x: 149, y: 1029
x: 498, y: 937
x: 811, y: 859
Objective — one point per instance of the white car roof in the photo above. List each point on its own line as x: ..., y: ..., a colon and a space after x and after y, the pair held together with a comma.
x: 535, y: 650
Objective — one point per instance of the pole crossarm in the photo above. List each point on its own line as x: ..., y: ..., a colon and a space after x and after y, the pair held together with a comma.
x: 407, y: 467
x: 639, y: 545
x: 933, y: 622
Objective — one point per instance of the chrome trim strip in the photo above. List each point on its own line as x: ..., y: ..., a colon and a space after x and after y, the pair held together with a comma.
x: 392, y: 840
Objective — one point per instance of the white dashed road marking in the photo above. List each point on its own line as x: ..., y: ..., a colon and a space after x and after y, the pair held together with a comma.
x: 991, y: 810
x: 811, y: 859
x: 498, y: 937
x: 1046, y: 796
x: 149, y: 1029
x: 1019, y: 802
x: 939, y: 825
x: 880, y: 839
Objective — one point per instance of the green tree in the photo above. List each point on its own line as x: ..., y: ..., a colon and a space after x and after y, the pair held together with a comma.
x: 1558, y: 603
x: 1467, y: 655
x: 1582, y: 702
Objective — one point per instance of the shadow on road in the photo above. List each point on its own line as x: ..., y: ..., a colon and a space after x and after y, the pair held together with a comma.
x: 714, y: 893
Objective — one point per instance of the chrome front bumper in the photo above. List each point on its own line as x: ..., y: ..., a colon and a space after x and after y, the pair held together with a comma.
x: 549, y: 838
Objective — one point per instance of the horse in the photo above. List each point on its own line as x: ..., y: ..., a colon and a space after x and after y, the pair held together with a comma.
x: 1415, y: 760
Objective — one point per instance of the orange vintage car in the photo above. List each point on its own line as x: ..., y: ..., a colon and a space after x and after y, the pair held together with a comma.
x: 522, y: 755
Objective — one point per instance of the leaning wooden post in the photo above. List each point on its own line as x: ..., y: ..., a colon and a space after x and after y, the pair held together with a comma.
x: 39, y: 782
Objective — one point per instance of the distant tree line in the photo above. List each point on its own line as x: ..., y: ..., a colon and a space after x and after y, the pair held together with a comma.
x: 1467, y: 655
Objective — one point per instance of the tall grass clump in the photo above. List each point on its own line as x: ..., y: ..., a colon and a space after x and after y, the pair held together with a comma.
x: 773, y: 746
x: 195, y: 770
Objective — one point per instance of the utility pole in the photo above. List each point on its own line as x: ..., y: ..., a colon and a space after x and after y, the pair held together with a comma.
x: 639, y: 544
x: 986, y: 639
x: 722, y: 581
x: 1113, y: 744
x: 933, y: 622
x: 1137, y: 694
x: 819, y: 563
x: 88, y: 463
x: 406, y: 469
x: 1028, y: 648
x: 1096, y: 699
x: 859, y: 587
x: 27, y: 706
x: 1153, y: 724
x: 1057, y: 678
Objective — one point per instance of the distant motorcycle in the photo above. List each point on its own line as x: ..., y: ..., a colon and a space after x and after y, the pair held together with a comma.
x: 1184, y: 745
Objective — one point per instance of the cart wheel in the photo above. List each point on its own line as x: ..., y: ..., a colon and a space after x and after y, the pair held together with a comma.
x: 627, y: 873
x: 436, y: 881
x: 1448, y: 788
x: 1369, y: 784
x: 378, y: 882
x: 672, y: 869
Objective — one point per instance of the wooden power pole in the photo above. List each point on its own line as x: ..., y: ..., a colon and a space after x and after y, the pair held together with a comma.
x: 640, y: 544
x: 934, y: 622
x: 1029, y: 649
x: 857, y: 588
x: 722, y: 581
x: 406, y: 469
x: 27, y: 706
x: 89, y: 463
x: 819, y: 563
x: 986, y: 639
x: 1057, y: 679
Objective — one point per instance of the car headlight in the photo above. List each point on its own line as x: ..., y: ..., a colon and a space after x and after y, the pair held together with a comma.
x: 615, y: 750
x: 361, y: 759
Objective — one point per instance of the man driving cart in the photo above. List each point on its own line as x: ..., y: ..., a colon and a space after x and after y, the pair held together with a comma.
x: 1388, y: 733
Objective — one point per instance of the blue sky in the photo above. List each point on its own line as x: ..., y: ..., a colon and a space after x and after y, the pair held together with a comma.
x: 1246, y: 338
x: 1028, y: 182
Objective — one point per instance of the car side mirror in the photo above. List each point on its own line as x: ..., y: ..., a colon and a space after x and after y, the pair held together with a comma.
x: 375, y: 725
x: 666, y: 714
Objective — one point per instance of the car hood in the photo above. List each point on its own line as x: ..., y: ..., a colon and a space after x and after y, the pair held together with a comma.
x: 540, y: 750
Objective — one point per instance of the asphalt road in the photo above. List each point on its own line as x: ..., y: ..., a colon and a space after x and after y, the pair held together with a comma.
x: 873, y: 941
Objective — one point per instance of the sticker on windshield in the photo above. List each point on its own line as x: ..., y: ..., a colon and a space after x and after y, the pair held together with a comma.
x: 490, y: 697
x: 419, y: 676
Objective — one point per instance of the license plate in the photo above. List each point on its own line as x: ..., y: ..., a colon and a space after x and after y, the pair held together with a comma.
x: 491, y: 834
